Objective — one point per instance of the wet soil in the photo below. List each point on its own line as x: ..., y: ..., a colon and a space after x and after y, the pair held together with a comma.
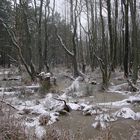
x: 81, y: 127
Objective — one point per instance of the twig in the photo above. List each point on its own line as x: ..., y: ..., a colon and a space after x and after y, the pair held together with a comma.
x: 60, y: 100
x: 71, y: 78
x: 8, y: 104
x: 66, y: 107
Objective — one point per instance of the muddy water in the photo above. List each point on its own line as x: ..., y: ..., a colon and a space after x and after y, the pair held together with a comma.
x: 78, y: 125
x: 81, y: 126
x: 102, y: 97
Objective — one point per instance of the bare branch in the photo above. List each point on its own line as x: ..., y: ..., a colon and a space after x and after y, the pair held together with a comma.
x: 12, y: 59
x: 62, y: 43
x: 14, y: 41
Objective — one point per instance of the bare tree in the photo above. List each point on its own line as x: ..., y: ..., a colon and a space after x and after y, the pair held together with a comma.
x: 110, y: 34
x: 23, y: 37
x: 73, y: 22
x: 115, y: 34
x: 46, y: 41
x: 126, y: 47
x: 15, y: 43
x: 104, y: 65
x: 134, y: 39
x: 90, y: 31
x: 39, y: 44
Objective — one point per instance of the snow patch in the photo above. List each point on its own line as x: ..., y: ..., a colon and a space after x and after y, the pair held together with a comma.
x: 99, y: 125
x: 115, y: 104
x: 102, y: 121
x: 7, y: 93
x: 74, y: 106
x: 126, y: 113
x: 105, y: 118
x: 92, y: 109
x: 53, y: 117
x: 137, y: 116
x: 134, y: 99
x: 40, y: 131
x: 50, y: 103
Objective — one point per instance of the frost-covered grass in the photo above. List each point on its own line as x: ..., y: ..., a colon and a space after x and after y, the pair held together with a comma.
x: 12, y: 128
x: 9, y: 130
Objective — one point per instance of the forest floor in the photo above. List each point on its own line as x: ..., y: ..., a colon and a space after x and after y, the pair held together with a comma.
x: 95, y: 114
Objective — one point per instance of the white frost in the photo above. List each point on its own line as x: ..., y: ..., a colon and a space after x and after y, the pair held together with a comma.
x: 40, y: 131
x: 51, y: 103
x: 105, y: 118
x: 74, y: 86
x: 134, y: 99
x: 137, y: 116
x: 115, y: 104
x: 126, y: 113
x: 74, y: 106
x: 100, y: 124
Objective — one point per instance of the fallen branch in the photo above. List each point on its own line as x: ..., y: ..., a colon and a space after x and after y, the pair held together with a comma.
x: 8, y: 104
x: 66, y: 107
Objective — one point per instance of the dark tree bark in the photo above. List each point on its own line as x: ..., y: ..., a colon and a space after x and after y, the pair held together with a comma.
x: 23, y: 37
x: 126, y: 47
x: 134, y: 40
x: 73, y: 18
x: 81, y: 49
x: 46, y: 41
x: 115, y: 35
x: 110, y: 34
x: 90, y: 33
x: 28, y: 39
x: 104, y: 61
x: 75, y: 65
x: 39, y: 43
x: 71, y: 54
x: 14, y: 42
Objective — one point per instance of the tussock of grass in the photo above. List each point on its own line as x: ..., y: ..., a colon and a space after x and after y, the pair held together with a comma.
x: 54, y: 134
x: 11, y: 130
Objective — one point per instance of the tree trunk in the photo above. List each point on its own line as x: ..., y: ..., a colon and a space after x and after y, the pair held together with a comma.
x: 39, y: 43
x: 134, y: 40
x: 126, y: 48
x: 115, y: 62
x: 104, y: 64
x: 110, y: 34
x: 46, y: 41
x: 74, y: 28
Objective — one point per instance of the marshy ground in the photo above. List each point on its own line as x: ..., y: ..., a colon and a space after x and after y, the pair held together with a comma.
x: 18, y: 92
